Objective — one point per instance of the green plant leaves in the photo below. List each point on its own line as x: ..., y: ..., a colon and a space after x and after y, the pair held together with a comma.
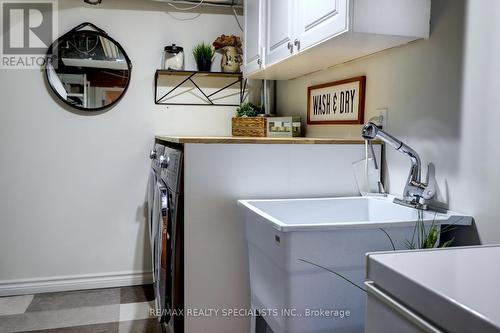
x: 333, y: 272
x: 427, y: 238
x: 203, y: 51
x: 247, y: 110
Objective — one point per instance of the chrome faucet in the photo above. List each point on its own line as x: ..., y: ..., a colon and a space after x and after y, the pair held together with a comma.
x: 416, y: 193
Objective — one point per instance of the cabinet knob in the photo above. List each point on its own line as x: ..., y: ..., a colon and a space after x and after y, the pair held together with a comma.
x: 296, y: 42
x: 152, y: 154
x: 290, y: 46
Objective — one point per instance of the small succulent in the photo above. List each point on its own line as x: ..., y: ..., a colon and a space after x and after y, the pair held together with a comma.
x: 247, y: 110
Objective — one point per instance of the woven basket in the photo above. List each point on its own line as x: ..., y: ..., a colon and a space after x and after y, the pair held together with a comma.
x: 249, y: 126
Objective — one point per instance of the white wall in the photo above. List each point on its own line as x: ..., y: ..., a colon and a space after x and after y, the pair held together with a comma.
x: 421, y: 85
x: 72, y: 185
x: 480, y: 142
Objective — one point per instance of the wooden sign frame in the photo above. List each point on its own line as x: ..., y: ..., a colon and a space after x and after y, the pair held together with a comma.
x: 361, y: 102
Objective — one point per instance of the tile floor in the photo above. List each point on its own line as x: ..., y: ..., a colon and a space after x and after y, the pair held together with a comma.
x: 116, y: 310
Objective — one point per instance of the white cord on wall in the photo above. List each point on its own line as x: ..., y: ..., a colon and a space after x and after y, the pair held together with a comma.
x: 236, y: 18
x: 199, y: 4
x: 188, y: 8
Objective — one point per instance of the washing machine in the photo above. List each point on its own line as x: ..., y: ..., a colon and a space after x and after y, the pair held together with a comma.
x: 166, y: 230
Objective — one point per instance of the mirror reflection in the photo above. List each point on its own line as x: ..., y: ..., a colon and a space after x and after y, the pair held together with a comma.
x: 88, y: 70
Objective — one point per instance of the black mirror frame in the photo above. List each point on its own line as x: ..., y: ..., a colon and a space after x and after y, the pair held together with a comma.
x: 99, y: 32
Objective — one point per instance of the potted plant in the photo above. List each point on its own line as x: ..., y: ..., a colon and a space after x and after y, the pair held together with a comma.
x: 247, y: 110
x: 248, y: 122
x: 230, y: 48
x: 203, y: 55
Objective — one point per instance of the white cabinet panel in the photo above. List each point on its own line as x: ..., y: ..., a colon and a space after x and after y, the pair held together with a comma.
x: 319, y: 20
x: 300, y: 36
x: 407, y: 17
x: 279, y: 30
x: 254, y: 29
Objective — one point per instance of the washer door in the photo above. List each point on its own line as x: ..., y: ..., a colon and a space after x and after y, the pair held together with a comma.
x: 155, y: 234
x: 151, y: 203
x: 161, y: 248
x: 165, y: 254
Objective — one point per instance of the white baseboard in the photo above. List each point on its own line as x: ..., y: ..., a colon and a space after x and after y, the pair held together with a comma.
x: 73, y: 282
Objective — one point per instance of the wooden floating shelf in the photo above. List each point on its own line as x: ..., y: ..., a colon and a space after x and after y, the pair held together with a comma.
x: 197, y: 73
x: 257, y: 140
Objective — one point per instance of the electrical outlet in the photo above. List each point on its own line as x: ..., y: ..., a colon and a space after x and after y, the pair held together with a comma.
x: 382, y: 113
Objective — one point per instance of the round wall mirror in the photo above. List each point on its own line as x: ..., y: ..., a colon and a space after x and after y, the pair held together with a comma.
x: 87, y: 69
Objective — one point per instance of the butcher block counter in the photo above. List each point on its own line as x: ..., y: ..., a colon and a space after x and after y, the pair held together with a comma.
x: 253, y: 140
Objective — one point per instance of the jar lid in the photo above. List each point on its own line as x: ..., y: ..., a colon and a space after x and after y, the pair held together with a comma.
x: 173, y: 48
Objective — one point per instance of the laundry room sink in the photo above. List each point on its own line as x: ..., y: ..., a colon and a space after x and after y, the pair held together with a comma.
x: 287, y: 238
x: 342, y: 212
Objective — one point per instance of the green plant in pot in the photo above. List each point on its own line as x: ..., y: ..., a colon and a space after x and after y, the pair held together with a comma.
x: 203, y: 55
x: 247, y: 121
x: 247, y: 110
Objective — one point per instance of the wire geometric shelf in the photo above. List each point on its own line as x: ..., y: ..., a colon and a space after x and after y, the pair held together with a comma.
x: 230, y: 81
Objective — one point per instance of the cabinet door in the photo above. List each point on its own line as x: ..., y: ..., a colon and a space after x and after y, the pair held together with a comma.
x: 319, y: 20
x: 254, y: 24
x: 279, y: 30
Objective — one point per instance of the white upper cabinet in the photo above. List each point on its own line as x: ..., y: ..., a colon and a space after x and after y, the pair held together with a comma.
x: 296, y: 37
x: 319, y: 20
x: 253, y: 42
x: 279, y: 30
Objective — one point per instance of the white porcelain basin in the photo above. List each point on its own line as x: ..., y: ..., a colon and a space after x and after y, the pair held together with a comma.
x: 335, y: 233
x: 350, y: 212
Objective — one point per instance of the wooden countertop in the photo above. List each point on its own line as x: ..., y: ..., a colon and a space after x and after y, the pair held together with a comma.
x: 254, y: 140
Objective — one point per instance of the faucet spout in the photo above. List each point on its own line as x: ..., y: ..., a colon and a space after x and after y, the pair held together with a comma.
x: 414, y: 186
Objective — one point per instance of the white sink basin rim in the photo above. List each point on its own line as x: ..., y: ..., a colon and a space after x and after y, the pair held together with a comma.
x: 344, y: 212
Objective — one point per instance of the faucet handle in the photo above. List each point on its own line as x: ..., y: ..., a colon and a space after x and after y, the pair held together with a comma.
x: 430, y: 189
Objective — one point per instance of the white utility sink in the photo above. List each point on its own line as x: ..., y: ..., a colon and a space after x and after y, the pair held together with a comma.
x: 335, y: 233
x: 344, y: 212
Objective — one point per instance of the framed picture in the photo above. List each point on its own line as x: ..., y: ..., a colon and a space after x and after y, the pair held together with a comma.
x: 340, y: 102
